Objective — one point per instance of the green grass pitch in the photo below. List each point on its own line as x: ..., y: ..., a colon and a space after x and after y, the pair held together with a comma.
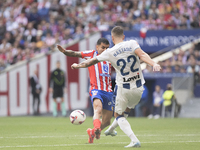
x: 48, y: 133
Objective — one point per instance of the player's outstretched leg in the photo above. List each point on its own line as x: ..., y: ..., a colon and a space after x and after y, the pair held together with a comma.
x: 97, y: 106
x: 91, y: 134
x: 110, y: 130
x: 126, y: 128
x: 97, y: 128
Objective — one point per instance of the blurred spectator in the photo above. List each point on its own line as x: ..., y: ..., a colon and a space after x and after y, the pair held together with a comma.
x: 137, y: 24
x: 23, y: 21
x: 2, y: 29
x: 50, y: 40
x: 141, y: 106
x: 169, y: 100
x: 36, y: 90
x: 168, y: 97
x: 19, y: 56
x: 176, y: 69
x: 197, y: 56
x: 43, y: 9
x: 153, y: 11
x: 9, y: 58
x: 157, y: 102
x: 79, y: 33
x: 192, y: 67
x: 148, y: 69
x: 2, y: 65
x: 39, y: 42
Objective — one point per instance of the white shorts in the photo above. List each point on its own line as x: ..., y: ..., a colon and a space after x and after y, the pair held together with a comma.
x: 127, y: 98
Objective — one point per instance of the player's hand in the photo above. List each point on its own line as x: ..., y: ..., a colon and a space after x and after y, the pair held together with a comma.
x: 74, y: 66
x: 50, y: 90
x: 60, y: 48
x: 156, y: 67
x: 65, y: 90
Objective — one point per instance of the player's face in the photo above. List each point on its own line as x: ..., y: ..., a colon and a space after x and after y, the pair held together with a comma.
x: 58, y: 65
x: 102, y: 47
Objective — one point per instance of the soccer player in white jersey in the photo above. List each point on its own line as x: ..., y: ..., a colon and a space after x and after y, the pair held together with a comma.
x: 124, y: 57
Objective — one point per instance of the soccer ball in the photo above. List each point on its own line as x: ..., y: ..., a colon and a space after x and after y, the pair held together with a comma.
x: 77, y: 117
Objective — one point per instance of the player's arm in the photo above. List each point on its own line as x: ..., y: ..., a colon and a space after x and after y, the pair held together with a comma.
x: 70, y: 53
x: 146, y: 58
x: 51, y: 83
x: 85, y: 64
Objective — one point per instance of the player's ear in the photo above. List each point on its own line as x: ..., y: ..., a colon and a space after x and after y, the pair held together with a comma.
x: 113, y: 39
x: 123, y: 37
x: 97, y: 47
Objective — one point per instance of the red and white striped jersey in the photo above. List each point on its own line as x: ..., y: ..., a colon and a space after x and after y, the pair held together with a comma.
x: 100, y: 73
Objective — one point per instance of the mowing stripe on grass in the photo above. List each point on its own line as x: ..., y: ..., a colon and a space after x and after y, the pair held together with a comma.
x: 32, y: 137
x: 62, y: 145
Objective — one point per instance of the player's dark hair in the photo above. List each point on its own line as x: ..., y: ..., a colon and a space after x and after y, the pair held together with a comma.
x: 169, y: 87
x: 117, y: 31
x: 103, y: 40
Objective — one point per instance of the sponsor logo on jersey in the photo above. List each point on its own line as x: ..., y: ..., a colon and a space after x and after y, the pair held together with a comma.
x: 131, y: 78
x: 94, y: 93
x: 105, y: 71
x: 105, y: 68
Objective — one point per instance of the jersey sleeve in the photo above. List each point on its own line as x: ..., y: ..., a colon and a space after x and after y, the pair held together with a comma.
x: 135, y: 45
x: 104, y: 56
x: 87, y: 54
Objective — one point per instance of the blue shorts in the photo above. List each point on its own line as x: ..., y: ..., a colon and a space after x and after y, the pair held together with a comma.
x: 105, y: 97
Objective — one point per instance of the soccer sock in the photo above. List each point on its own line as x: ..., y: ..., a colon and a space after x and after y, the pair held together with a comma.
x: 126, y: 114
x: 97, y: 123
x: 63, y: 109
x: 115, y: 124
x: 54, y: 109
x: 126, y: 128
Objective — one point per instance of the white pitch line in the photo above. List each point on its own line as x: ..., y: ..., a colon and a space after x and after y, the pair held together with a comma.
x: 64, y: 145
x: 77, y: 136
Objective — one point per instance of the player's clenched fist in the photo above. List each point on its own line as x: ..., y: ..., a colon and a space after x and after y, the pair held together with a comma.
x: 74, y: 66
x: 156, y: 67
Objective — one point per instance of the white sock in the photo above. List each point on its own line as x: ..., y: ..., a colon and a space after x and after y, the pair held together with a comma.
x: 115, y: 124
x: 126, y: 128
x: 126, y: 114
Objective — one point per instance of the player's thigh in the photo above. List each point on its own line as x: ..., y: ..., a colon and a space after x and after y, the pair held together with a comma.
x: 106, y: 115
x: 57, y: 92
x: 134, y: 97
x: 97, y: 104
x: 120, y: 102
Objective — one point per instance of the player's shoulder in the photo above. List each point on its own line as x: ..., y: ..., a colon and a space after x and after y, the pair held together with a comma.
x: 133, y: 41
x: 88, y: 51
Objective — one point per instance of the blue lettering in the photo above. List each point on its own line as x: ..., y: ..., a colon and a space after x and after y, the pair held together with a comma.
x: 122, y: 50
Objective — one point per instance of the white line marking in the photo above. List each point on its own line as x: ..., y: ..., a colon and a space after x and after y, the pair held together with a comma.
x: 62, y: 145
x: 77, y: 136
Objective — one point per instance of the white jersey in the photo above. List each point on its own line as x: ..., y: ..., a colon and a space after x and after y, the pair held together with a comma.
x: 126, y: 63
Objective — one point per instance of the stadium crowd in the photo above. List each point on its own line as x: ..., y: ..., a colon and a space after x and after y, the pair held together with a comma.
x: 30, y: 27
x: 182, y: 62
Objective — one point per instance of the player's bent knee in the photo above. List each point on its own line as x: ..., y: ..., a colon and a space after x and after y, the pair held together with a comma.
x: 108, y: 123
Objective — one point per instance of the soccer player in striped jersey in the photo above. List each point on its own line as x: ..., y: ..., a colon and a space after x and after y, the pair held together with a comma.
x: 124, y: 57
x: 100, y: 87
